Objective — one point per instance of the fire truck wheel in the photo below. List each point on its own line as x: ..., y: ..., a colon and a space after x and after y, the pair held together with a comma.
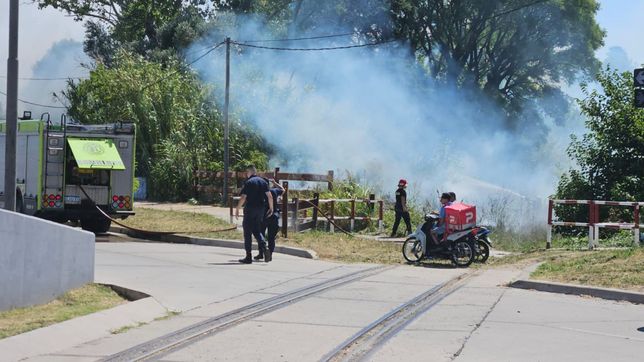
x: 96, y: 225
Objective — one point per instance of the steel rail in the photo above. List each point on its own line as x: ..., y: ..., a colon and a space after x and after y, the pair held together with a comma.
x: 366, y: 341
x: 182, y: 338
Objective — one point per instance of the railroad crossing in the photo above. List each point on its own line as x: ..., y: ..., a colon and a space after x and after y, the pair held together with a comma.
x: 296, y: 309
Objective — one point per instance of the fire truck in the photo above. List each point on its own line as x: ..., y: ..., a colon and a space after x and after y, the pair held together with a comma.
x: 64, y: 171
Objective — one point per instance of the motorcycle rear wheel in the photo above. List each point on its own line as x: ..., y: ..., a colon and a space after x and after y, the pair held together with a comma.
x: 463, y: 254
x: 482, y: 252
x: 412, y: 250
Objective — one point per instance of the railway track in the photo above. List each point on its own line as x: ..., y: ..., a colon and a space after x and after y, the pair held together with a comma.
x: 365, y: 342
x: 161, y: 346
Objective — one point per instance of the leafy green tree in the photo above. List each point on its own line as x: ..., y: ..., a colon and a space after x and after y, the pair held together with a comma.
x: 514, y: 50
x: 610, y: 156
x: 178, y: 128
x: 143, y: 26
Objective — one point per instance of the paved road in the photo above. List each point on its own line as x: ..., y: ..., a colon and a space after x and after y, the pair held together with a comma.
x: 482, y: 320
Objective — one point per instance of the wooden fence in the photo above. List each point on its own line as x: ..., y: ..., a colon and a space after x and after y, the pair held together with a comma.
x: 211, y: 182
x: 304, y: 214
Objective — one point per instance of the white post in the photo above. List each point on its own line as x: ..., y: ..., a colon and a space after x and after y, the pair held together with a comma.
x: 636, y: 234
x: 380, y: 226
x: 591, y: 239
x: 549, y: 237
x: 596, y: 235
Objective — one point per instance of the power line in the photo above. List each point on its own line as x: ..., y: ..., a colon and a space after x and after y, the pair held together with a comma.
x: 189, y: 64
x: 34, y: 103
x: 37, y: 79
x: 314, y: 49
x: 297, y: 39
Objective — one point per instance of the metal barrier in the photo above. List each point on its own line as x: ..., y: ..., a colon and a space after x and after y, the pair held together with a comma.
x: 594, y: 223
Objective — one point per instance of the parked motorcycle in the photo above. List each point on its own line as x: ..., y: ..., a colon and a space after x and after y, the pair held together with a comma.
x: 460, y: 247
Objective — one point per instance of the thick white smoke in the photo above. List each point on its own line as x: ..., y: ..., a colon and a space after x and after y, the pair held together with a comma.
x: 373, y: 112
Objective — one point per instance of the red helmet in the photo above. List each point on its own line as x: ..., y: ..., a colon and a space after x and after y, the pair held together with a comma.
x: 402, y: 182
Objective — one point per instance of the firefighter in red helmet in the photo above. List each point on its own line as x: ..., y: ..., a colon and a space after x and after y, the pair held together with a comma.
x: 401, y: 208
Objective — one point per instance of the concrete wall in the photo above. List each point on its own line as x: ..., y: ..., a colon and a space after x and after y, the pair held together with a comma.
x: 40, y: 260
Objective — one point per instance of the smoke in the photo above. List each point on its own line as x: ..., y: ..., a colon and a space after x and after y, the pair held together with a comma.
x: 64, y: 59
x: 373, y: 112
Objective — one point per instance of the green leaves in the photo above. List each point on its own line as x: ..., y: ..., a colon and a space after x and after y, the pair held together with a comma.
x: 611, y: 155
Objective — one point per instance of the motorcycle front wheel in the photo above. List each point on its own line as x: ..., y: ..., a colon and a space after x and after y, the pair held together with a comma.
x: 482, y: 251
x: 463, y: 254
x: 412, y: 250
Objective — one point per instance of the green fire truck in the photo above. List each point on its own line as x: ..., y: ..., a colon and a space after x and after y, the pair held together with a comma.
x: 65, y: 170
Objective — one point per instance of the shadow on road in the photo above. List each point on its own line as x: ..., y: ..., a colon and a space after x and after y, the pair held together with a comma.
x: 235, y: 262
x: 433, y: 265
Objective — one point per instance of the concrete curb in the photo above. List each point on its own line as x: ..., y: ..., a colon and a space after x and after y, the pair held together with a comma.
x: 45, y: 341
x: 222, y: 243
x: 603, y: 293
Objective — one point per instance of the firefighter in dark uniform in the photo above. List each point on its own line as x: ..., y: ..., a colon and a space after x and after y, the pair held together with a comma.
x: 271, y: 223
x: 258, y: 203
x: 401, y: 208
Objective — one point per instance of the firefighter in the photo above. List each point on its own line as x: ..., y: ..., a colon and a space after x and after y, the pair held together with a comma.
x: 258, y: 203
x: 271, y: 223
x: 401, y: 208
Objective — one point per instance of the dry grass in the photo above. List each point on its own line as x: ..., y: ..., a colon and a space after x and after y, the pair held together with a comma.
x: 184, y: 221
x: 609, y: 268
x: 78, y: 302
x: 622, y: 269
x: 337, y: 246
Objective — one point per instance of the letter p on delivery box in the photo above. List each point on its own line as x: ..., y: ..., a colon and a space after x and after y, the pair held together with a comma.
x: 460, y: 216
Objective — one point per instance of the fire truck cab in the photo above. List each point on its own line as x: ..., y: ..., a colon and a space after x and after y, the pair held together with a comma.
x: 65, y: 171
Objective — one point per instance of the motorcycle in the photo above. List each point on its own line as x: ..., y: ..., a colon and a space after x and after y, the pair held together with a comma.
x: 460, y: 247
x: 482, y: 244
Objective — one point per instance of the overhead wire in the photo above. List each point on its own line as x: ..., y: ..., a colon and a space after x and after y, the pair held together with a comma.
x: 35, y: 104
x: 213, y: 48
x: 314, y: 49
x: 296, y: 39
x: 47, y: 79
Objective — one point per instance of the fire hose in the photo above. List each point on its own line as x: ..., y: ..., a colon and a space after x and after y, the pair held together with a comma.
x: 330, y: 220
x: 150, y: 231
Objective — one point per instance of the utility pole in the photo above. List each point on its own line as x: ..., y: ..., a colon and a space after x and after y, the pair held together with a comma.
x: 226, y: 124
x: 12, y: 111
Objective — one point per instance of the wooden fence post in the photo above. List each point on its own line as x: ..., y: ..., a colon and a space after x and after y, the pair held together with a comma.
x: 332, y: 216
x: 316, y: 203
x: 230, y: 205
x: 329, y: 177
x: 296, y: 211
x: 353, y: 214
x: 372, y: 198
x: 285, y: 210
x: 380, y: 216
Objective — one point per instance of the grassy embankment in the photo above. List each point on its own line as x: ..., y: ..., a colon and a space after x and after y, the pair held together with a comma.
x: 78, y: 302
x: 567, y: 262
x: 328, y: 246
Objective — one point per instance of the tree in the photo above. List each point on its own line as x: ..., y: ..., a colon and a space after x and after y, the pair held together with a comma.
x: 610, y: 156
x: 178, y: 128
x: 138, y: 25
x: 515, y: 50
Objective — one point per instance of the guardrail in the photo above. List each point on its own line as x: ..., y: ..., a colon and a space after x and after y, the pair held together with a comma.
x: 594, y: 223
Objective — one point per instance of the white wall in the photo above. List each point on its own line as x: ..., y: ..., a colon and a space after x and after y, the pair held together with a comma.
x: 40, y: 260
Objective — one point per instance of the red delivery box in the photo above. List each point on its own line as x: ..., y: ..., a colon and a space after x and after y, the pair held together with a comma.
x: 460, y: 216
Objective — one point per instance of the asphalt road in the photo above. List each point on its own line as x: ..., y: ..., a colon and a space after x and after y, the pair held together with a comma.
x: 295, y: 309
